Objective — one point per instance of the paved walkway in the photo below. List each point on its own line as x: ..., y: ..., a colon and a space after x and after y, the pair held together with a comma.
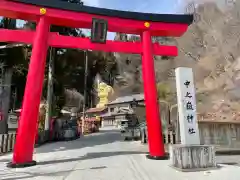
x: 104, y: 156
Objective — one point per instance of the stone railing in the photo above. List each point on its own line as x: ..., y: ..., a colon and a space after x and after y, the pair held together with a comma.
x: 220, y: 133
x: 109, y: 122
x: 169, y: 137
x: 7, y: 142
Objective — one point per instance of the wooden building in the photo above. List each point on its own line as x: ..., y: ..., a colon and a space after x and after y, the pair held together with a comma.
x: 123, y: 108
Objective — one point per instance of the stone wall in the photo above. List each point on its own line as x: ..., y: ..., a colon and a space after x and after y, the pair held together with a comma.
x: 222, y: 134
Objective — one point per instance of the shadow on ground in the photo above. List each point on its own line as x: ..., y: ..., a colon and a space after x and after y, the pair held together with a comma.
x: 27, y: 175
x: 105, y: 136
x: 65, y: 173
x: 232, y: 160
x: 101, y: 138
x: 89, y: 156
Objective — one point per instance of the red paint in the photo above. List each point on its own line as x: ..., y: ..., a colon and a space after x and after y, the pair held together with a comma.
x: 110, y: 46
x: 27, y: 130
x: 41, y: 39
x: 19, y: 36
x: 155, y: 137
x: 56, y: 40
x: 84, y: 20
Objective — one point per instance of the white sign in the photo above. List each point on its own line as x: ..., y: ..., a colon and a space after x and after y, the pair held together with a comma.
x: 187, y: 111
x: 12, y: 121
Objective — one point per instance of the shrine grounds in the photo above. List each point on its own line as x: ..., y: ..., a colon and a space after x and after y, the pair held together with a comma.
x: 105, y: 156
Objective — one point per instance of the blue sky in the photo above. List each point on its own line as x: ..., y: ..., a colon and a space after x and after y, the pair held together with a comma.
x: 149, y: 6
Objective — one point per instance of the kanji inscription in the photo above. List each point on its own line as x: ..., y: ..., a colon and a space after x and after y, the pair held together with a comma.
x: 187, y: 106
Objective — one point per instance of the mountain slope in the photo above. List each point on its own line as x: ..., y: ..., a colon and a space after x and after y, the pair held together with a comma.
x: 211, y: 47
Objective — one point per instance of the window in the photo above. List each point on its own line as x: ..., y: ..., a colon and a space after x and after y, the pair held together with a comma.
x: 111, y: 109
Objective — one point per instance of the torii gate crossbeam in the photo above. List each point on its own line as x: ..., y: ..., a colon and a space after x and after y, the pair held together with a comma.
x: 54, y: 12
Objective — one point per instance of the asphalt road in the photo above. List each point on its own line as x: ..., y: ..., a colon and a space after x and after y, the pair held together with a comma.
x: 105, y: 156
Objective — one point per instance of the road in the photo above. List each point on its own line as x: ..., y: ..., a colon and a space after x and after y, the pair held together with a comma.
x: 105, y: 156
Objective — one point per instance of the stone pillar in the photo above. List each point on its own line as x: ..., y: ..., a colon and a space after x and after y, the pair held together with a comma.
x: 189, y: 155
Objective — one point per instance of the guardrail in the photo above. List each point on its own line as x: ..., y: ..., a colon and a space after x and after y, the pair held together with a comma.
x: 169, y: 138
x: 7, y: 142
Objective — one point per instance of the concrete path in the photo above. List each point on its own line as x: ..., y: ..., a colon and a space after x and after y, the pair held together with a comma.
x: 104, y: 156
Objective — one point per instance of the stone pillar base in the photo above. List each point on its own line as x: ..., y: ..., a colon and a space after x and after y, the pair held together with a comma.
x: 192, y: 157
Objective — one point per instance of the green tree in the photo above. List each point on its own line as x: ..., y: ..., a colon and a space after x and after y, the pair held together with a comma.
x: 163, y: 91
x: 63, y: 63
x: 69, y: 65
x: 12, y: 60
x: 164, y: 96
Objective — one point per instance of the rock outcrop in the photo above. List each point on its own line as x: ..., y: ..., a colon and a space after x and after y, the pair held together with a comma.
x: 211, y: 47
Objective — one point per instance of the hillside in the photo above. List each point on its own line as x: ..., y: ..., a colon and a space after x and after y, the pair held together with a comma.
x: 211, y: 47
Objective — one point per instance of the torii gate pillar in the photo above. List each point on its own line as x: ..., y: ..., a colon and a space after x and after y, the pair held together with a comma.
x: 25, y: 140
x: 62, y: 13
x: 155, y: 137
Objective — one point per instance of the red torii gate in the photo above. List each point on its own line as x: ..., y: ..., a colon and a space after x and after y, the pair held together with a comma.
x: 48, y: 12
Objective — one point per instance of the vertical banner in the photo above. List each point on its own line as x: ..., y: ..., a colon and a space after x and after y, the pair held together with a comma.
x: 187, y: 111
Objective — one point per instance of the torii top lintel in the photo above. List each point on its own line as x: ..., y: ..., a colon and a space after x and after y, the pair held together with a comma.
x: 74, y: 15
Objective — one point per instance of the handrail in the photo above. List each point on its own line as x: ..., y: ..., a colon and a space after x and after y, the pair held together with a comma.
x: 7, y: 142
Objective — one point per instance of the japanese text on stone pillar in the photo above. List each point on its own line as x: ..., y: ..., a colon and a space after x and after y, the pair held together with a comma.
x: 187, y: 106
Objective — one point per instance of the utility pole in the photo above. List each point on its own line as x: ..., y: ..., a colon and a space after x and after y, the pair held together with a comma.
x: 3, y: 123
x: 14, y: 98
x: 49, y: 92
x: 85, y: 90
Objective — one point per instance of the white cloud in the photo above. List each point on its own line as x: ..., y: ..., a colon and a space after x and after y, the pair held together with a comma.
x: 95, y: 3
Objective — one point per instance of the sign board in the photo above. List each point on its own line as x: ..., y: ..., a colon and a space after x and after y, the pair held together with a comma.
x: 13, y: 121
x: 187, y: 111
x: 99, y: 31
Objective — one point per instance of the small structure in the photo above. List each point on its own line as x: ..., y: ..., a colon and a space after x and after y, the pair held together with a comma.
x: 14, y: 117
x: 92, y: 120
x: 122, y: 109
x: 114, y: 118
x: 93, y: 112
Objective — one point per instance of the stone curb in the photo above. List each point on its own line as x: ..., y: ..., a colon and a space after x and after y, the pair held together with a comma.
x: 228, y: 152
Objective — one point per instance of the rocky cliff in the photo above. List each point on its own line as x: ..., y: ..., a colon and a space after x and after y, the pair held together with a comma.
x: 211, y: 47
